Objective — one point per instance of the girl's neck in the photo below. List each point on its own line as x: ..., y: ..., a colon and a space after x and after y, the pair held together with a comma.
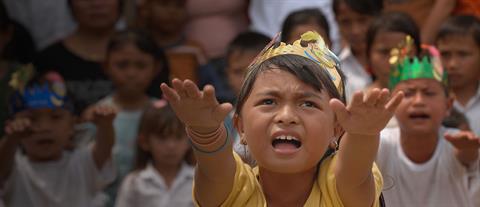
x: 463, y: 95
x: 298, y: 186
x: 126, y: 102
x: 169, y: 173
x: 419, y: 148
x: 88, y: 44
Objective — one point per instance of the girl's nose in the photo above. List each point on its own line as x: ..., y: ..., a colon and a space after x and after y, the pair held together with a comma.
x: 287, y: 115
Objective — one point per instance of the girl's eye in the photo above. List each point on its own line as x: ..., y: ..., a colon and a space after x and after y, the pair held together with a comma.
x: 308, y: 104
x: 268, y: 102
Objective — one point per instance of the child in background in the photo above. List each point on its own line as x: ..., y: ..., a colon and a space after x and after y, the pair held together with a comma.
x: 35, y: 168
x: 301, y: 21
x: 354, y: 17
x: 161, y: 177
x: 423, y: 163
x: 165, y: 21
x: 132, y: 62
x: 241, y: 52
x: 459, y: 43
x: 386, y: 32
x: 289, y: 111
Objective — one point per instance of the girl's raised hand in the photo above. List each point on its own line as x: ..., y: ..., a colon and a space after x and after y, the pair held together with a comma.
x: 199, y: 110
x: 367, y: 114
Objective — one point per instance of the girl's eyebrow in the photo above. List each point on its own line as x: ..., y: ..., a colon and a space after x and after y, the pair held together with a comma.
x: 300, y: 94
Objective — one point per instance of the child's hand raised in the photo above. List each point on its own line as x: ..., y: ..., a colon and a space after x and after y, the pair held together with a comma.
x: 464, y: 140
x: 366, y: 114
x: 18, y: 128
x: 199, y: 110
x: 103, y: 116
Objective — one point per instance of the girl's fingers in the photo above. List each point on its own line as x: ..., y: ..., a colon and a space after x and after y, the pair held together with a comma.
x: 357, y: 99
x: 192, y: 89
x: 169, y: 93
x: 209, y: 94
x: 222, y: 111
x: 371, y: 98
x: 383, y: 98
x: 339, y: 109
x: 178, y: 86
x: 394, y: 102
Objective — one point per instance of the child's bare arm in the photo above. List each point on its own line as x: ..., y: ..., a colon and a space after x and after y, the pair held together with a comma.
x: 203, y: 117
x: 440, y: 12
x: 466, y: 146
x: 362, y: 121
x: 105, y: 138
x: 15, y: 131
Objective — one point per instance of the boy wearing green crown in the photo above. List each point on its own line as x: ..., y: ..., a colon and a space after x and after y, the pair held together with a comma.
x: 423, y: 163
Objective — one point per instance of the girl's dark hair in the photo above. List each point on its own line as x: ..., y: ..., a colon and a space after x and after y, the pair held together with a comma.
x: 460, y: 25
x: 160, y: 121
x: 304, y: 16
x: 365, y: 7
x: 147, y: 45
x: 393, y: 22
x: 248, y: 41
x: 303, y: 68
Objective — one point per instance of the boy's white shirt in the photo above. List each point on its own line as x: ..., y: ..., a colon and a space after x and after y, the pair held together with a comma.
x: 357, y: 78
x: 471, y: 111
x: 147, y: 188
x: 72, y: 181
x: 441, y: 181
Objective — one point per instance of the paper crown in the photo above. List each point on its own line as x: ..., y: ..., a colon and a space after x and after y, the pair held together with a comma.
x: 404, y: 67
x: 311, y: 46
x: 50, y: 92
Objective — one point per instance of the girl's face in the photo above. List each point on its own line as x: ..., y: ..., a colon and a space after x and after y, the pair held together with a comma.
x: 51, y: 130
x: 380, y: 53
x: 96, y: 14
x: 353, y: 26
x: 167, y: 151
x: 424, y: 106
x: 131, y: 69
x: 287, y: 124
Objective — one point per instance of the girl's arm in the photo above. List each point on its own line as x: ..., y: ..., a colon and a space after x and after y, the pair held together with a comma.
x: 105, y: 138
x: 362, y: 121
x: 441, y: 10
x: 15, y: 131
x: 203, y: 117
x: 466, y: 146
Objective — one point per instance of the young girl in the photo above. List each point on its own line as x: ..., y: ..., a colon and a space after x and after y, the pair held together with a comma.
x: 385, y: 33
x: 133, y: 61
x: 35, y: 167
x: 289, y: 111
x: 161, y: 176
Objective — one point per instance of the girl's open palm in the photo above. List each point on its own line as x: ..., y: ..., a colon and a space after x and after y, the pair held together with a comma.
x: 366, y: 114
x: 198, y: 109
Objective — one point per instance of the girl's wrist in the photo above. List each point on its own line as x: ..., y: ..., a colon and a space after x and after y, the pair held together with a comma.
x: 210, y: 142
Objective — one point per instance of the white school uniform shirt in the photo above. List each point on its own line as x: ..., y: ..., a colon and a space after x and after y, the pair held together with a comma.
x: 471, y: 111
x: 147, y: 188
x: 357, y: 78
x: 72, y: 181
x: 442, y: 181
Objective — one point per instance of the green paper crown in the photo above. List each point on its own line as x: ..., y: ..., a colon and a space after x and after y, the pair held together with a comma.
x: 404, y: 67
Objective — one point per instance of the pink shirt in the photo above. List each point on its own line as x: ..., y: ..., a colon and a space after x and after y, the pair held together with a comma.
x: 214, y: 23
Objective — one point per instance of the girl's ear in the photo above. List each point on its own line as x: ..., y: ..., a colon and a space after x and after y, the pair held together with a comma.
x: 142, y: 142
x: 238, y: 124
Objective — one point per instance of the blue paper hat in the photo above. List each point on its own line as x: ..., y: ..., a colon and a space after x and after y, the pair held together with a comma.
x: 38, y: 92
